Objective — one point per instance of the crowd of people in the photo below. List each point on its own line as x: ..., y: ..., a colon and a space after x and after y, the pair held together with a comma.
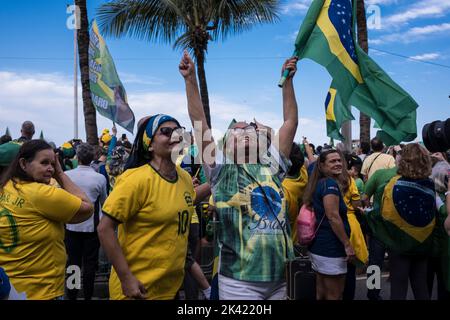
x: 145, y: 209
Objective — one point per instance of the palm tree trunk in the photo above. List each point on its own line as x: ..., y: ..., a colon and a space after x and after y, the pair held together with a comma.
x: 90, y: 119
x: 364, y: 120
x: 200, y: 58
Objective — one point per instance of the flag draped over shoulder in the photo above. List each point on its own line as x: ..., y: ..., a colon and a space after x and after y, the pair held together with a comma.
x: 406, y: 217
x: 336, y: 113
x: 108, y: 94
x: 327, y: 37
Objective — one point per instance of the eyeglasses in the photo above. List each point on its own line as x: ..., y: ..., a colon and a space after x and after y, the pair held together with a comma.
x: 168, y: 131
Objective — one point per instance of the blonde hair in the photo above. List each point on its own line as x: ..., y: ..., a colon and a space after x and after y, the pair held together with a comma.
x: 415, y: 162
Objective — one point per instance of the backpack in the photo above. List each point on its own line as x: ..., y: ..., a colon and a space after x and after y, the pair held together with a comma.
x: 307, y: 225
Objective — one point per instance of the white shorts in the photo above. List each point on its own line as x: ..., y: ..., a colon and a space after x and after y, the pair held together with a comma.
x: 231, y: 289
x: 328, y: 266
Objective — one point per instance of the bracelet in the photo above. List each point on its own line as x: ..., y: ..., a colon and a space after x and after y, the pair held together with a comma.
x: 447, y: 193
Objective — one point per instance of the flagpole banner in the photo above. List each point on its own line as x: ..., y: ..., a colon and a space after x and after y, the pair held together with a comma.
x: 107, y: 92
x: 327, y: 36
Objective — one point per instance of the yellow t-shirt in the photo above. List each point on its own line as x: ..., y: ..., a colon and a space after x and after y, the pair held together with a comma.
x: 356, y: 236
x: 32, y: 250
x: 153, y: 235
x: 351, y: 195
x: 294, y: 189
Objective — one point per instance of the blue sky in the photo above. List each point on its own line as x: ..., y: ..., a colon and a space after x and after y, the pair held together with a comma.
x: 36, y: 68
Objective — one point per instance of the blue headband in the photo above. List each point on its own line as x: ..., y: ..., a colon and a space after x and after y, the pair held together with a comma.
x: 152, y: 126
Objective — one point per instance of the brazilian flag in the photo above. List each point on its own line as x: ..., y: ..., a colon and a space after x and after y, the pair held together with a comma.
x: 336, y: 113
x: 327, y: 36
x: 406, y: 220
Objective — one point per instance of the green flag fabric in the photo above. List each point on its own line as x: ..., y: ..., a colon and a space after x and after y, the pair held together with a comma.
x: 327, y: 36
x: 336, y: 113
x: 108, y: 93
x: 8, y: 152
x: 405, y: 224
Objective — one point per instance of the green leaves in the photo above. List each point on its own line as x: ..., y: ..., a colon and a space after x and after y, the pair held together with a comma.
x: 179, y: 21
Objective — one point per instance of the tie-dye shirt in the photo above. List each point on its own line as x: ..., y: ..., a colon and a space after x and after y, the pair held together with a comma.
x: 254, y: 234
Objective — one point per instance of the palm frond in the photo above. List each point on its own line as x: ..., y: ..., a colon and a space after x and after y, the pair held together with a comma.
x: 149, y: 20
x: 237, y: 16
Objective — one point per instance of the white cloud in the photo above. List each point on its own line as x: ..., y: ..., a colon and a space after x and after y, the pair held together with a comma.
x: 420, y: 9
x: 427, y: 56
x: 380, y: 2
x: 47, y: 100
x: 414, y: 34
x: 131, y: 78
x: 295, y: 7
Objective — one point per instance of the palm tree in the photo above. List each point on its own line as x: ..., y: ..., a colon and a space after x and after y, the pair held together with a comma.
x: 187, y: 24
x: 90, y: 118
x: 364, y: 120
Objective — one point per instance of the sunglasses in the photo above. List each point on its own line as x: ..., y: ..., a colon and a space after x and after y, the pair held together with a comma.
x: 248, y: 129
x: 168, y: 131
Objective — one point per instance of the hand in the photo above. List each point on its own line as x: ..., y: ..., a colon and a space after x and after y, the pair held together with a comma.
x: 351, y: 256
x: 57, y: 166
x: 114, y: 130
x: 305, y: 141
x: 187, y: 67
x: 290, y: 64
x: 133, y: 288
x: 195, y: 182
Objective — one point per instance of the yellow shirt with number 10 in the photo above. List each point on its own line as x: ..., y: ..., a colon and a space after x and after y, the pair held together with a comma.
x: 155, y: 215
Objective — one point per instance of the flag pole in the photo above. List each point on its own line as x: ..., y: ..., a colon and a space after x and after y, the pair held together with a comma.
x: 75, y: 79
x: 284, y: 77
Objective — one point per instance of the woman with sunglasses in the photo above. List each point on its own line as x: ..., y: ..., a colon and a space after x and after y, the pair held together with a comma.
x: 152, y: 204
x: 254, y: 237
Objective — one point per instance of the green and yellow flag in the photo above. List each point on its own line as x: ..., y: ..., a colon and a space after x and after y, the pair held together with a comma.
x: 406, y: 217
x: 336, y: 113
x: 107, y: 92
x: 327, y: 36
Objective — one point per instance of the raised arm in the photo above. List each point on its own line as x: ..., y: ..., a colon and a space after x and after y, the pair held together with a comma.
x: 202, y: 131
x: 290, y: 113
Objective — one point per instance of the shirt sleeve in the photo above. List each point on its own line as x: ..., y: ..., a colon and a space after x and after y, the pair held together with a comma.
x: 55, y: 203
x: 329, y: 186
x: 124, y: 201
x: 279, y: 164
x: 371, y: 184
